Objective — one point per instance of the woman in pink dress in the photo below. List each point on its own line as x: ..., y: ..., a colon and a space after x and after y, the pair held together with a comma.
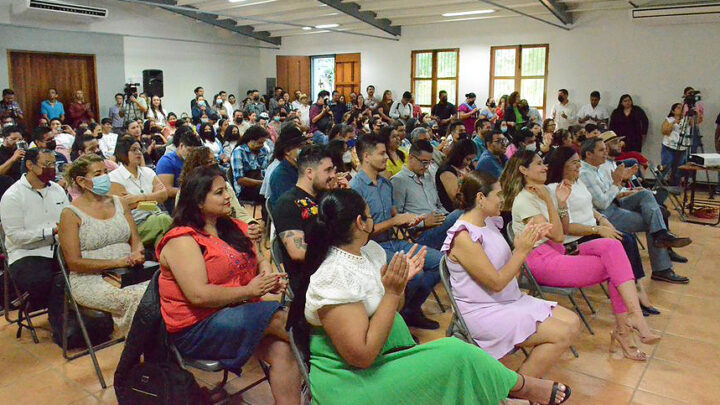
x: 483, y: 273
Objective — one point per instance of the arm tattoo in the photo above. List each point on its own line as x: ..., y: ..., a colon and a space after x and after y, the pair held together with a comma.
x: 297, y: 237
x: 300, y: 243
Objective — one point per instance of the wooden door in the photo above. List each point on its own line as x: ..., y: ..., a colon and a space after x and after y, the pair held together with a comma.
x: 293, y: 73
x: 347, y: 74
x: 32, y: 74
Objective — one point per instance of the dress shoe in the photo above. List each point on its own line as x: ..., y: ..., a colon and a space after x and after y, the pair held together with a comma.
x: 419, y: 320
x: 651, y: 310
x: 665, y: 239
x: 676, y: 257
x: 669, y: 276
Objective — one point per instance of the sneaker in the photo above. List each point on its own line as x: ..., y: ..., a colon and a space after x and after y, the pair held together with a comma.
x: 669, y: 276
x: 664, y: 239
x: 419, y: 320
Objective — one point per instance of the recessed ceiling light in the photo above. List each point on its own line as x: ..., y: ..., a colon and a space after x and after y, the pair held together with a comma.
x: 307, y: 28
x: 488, y: 11
x: 327, y: 26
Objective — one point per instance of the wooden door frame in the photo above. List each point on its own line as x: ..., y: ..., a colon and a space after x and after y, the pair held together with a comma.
x: 84, y: 55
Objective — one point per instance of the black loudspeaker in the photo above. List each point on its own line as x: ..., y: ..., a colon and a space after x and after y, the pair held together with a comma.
x: 153, y: 82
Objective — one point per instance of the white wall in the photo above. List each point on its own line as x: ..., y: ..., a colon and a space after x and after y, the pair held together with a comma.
x: 190, y: 53
x: 604, y: 51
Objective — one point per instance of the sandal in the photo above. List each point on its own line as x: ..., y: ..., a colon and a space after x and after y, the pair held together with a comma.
x: 553, y: 394
x: 630, y: 350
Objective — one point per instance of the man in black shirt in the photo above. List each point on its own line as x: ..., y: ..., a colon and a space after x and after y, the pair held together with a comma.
x: 443, y: 112
x: 10, y: 157
x: 292, y: 214
x: 338, y: 109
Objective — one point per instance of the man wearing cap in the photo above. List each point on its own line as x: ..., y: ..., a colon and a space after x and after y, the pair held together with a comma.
x: 402, y: 110
x: 630, y: 210
x: 285, y: 175
x: 593, y: 113
x: 443, y: 112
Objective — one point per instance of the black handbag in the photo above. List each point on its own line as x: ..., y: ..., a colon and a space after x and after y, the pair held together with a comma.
x: 150, y: 383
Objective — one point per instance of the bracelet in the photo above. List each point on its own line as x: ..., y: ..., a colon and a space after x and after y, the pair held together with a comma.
x: 562, y: 212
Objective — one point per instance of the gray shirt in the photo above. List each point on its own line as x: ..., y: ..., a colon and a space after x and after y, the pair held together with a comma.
x: 416, y: 195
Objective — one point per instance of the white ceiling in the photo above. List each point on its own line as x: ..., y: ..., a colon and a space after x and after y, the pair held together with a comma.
x: 288, y: 17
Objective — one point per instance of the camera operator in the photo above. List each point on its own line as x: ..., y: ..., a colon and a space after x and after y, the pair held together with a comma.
x: 9, y: 108
x: 320, y: 114
x: 135, y: 106
x: 694, y: 109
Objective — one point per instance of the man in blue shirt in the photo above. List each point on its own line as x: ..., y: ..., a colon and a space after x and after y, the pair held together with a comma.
x: 493, y: 160
x: 170, y: 166
x: 284, y: 177
x: 52, y: 108
x: 378, y: 194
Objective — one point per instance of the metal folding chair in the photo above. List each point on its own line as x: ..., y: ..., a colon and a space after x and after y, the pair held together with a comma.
x: 402, y: 233
x: 660, y: 183
x: 22, y: 300
x: 70, y: 301
x: 303, y: 365
x: 276, y: 249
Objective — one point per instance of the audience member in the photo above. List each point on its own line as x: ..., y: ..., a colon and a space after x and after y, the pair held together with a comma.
x: 254, y: 105
x: 593, y: 113
x: 79, y: 110
x: 9, y: 108
x: 493, y: 160
x: 447, y: 178
x: 396, y: 157
x: 30, y: 213
x: 629, y: 121
x: 599, y: 260
x: 170, y: 165
x: 402, y: 109
x: 483, y: 275
x: 337, y: 107
x: 44, y: 138
x: 468, y: 112
x: 199, y: 92
x: 249, y: 161
x: 211, y: 284
x: 283, y: 178
x: 513, y: 117
x: 383, y: 109
x: 523, y: 139
x: 11, y: 155
x: 564, y: 113
x: 352, y: 303
x: 675, y: 142
x: 109, y: 138
x: 371, y: 101
x: 156, y: 112
x: 489, y: 112
x: 97, y: 234
x: 320, y: 114
x: 52, y: 107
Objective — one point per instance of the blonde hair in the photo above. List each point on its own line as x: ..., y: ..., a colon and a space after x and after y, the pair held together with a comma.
x: 512, y: 180
x: 81, y: 167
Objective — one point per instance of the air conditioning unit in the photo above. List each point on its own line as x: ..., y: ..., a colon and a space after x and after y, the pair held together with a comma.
x: 56, y: 11
x: 678, y: 14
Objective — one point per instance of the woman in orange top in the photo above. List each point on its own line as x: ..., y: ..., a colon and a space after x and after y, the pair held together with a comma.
x: 211, y: 281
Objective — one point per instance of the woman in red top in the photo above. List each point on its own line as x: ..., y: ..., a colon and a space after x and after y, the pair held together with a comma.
x: 211, y: 281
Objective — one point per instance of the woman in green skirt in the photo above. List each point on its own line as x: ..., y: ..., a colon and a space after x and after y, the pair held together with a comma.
x: 361, y: 351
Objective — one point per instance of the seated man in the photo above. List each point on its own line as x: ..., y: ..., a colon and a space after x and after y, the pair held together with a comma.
x: 170, y: 165
x: 284, y: 177
x: 249, y: 160
x: 108, y: 139
x: 630, y: 211
x: 493, y: 160
x: 30, y: 213
x: 10, y: 157
x: 378, y: 194
x: 414, y: 191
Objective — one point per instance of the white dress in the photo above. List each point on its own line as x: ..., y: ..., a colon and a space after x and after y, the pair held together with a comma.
x: 344, y: 278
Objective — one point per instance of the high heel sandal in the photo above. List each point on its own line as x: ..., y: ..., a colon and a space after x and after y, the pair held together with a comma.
x: 648, y: 340
x: 553, y: 394
x: 630, y: 351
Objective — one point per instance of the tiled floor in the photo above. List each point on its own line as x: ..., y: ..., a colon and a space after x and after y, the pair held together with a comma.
x: 683, y: 368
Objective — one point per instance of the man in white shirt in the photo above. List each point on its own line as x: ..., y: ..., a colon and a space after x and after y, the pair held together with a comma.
x: 30, y: 213
x: 564, y: 113
x: 371, y: 101
x: 402, y: 110
x: 593, y: 113
x: 296, y: 104
x: 108, y: 140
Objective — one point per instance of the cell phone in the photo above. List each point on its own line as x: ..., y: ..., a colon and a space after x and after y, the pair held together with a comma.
x: 22, y: 145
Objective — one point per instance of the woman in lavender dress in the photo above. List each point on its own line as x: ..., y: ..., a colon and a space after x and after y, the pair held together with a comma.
x: 483, y: 273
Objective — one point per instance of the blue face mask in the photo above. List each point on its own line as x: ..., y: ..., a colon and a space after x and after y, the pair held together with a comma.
x: 351, y: 143
x: 503, y: 129
x: 101, y: 184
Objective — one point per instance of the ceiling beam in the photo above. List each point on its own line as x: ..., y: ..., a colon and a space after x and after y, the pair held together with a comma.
x: 353, y: 10
x: 225, y: 23
x: 559, y: 10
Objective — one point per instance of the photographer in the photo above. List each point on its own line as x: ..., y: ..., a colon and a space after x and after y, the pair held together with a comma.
x: 12, y: 152
x: 692, y: 103
x: 9, y: 107
x: 135, y: 106
x: 674, y: 144
x: 320, y: 114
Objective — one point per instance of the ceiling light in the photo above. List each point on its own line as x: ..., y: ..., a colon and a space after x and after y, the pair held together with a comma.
x: 327, y: 26
x: 318, y: 32
x: 487, y: 11
x: 307, y: 28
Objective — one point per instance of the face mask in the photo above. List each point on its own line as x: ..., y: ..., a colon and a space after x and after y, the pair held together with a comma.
x: 277, y: 119
x: 503, y: 129
x: 203, y: 120
x: 532, y: 147
x: 366, y: 127
x: 561, y: 99
x: 239, y: 121
x: 256, y: 98
x: 101, y: 185
x: 51, y: 144
x: 173, y: 124
x: 347, y: 157
x: 218, y: 101
x: 48, y: 174
x: 351, y: 143
x: 202, y: 103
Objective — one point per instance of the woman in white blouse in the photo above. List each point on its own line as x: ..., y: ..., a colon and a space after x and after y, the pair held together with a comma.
x: 304, y: 110
x: 141, y: 190
x: 360, y: 347
x: 156, y: 112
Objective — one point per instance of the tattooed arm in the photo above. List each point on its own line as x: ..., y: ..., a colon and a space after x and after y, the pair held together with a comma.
x: 294, y: 242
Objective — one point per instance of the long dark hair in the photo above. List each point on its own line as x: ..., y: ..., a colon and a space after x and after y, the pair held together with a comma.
x: 460, y: 150
x: 620, y: 106
x: 202, y: 134
x: 386, y: 134
x: 193, y: 192
x: 556, y: 163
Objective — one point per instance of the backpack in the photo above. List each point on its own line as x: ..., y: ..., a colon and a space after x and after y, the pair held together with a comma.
x: 164, y: 383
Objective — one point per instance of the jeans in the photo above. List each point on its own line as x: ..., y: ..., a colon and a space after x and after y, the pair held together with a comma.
x: 34, y: 274
x: 696, y: 139
x: 421, y: 286
x: 671, y: 159
x: 435, y: 237
x: 641, y: 213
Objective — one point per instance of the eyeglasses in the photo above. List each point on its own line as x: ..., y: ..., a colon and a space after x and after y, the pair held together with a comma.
x: 425, y: 163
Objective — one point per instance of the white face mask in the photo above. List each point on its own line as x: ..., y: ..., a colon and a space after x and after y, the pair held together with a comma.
x: 532, y: 147
x: 347, y: 157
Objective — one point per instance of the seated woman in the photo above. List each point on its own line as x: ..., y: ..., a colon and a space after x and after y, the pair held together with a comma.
x: 585, y: 223
x: 599, y: 260
x: 211, y: 284
x: 523, y: 139
x: 396, y: 157
x: 97, y: 234
x: 207, y: 134
x: 456, y: 165
x: 202, y: 156
x: 142, y: 191
x: 483, y: 273
x: 360, y: 347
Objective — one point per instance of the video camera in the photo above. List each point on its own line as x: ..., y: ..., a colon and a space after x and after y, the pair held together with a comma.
x: 691, y: 98
x: 131, y: 89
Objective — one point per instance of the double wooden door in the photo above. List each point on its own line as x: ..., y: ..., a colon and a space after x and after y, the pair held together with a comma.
x: 293, y: 73
x: 32, y: 74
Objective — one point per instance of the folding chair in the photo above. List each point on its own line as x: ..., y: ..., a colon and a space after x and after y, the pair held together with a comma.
x: 68, y: 301
x: 303, y: 365
x: 276, y: 250
x: 402, y: 233
x: 21, y: 302
x: 660, y: 183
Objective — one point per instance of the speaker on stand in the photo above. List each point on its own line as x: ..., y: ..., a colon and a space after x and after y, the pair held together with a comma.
x: 153, y: 82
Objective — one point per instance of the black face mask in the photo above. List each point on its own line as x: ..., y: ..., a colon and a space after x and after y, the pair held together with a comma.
x: 51, y: 145
x: 239, y: 121
x: 256, y: 98
x: 561, y: 98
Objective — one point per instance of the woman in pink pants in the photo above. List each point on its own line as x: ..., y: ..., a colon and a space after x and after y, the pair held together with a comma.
x: 599, y: 260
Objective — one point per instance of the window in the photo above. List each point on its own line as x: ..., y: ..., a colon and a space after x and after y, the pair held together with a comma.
x: 322, y: 74
x: 431, y: 72
x: 522, y: 68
